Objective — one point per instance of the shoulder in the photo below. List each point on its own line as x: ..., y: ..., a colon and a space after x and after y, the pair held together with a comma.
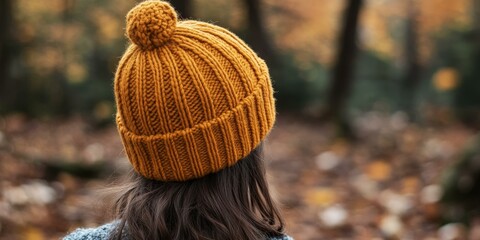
x: 99, y: 233
x: 284, y: 237
x: 103, y: 233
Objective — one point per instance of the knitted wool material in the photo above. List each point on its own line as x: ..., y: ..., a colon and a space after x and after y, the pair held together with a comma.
x: 103, y: 233
x: 192, y: 98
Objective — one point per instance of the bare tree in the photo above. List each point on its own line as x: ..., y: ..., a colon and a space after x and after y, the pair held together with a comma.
x: 476, y: 19
x: 7, y: 93
x: 343, y: 69
x: 413, y: 67
x: 183, y: 7
x: 257, y: 34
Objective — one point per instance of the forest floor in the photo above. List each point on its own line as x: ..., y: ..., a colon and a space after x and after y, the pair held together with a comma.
x: 383, y: 185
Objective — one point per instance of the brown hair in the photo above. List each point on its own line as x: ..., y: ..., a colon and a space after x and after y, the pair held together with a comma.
x: 234, y: 203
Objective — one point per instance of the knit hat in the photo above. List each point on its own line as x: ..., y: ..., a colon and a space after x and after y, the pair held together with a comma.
x: 192, y: 98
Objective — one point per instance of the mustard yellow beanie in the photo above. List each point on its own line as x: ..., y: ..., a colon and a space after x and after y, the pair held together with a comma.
x: 192, y: 98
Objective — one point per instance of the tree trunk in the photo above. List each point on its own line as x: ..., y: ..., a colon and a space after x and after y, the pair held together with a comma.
x: 257, y: 34
x: 343, y: 69
x: 476, y: 19
x: 7, y: 95
x: 183, y: 7
x: 412, y: 76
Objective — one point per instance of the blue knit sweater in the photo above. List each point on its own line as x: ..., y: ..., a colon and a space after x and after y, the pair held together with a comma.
x: 103, y: 232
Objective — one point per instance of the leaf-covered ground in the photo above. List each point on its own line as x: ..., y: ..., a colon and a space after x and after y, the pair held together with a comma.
x: 384, y: 185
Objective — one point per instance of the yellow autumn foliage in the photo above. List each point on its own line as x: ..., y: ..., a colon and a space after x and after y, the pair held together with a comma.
x: 310, y: 28
x: 446, y: 79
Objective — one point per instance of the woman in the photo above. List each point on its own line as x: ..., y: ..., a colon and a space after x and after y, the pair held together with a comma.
x: 194, y: 104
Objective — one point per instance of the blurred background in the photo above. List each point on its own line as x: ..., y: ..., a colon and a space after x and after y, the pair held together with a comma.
x: 378, y: 113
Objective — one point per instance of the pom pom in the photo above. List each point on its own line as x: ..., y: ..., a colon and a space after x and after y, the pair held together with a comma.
x: 151, y: 24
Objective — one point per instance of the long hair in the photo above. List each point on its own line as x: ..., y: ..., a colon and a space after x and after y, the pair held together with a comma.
x: 233, y: 204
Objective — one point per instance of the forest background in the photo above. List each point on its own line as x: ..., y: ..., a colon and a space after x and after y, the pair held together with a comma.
x: 377, y: 99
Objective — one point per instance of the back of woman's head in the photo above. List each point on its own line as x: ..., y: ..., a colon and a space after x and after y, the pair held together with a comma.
x: 232, y: 204
x: 194, y: 102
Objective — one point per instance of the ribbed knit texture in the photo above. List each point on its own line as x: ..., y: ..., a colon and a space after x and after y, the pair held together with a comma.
x: 192, y: 98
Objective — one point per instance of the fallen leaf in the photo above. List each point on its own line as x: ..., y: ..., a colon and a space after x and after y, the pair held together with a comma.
x: 379, y: 170
x: 321, y: 197
x: 334, y: 216
x: 410, y: 185
x: 32, y: 233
